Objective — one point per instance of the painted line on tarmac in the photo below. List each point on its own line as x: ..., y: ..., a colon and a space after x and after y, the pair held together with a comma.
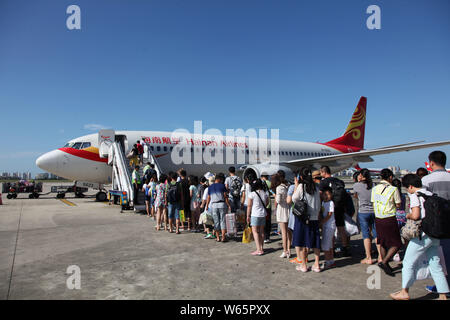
x: 68, y: 202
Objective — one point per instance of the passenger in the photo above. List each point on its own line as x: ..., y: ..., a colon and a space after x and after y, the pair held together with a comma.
x: 218, y: 201
x: 386, y: 199
x: 307, y: 236
x: 438, y: 182
x: 152, y: 194
x: 165, y: 216
x: 400, y: 214
x: 134, y: 161
x: 291, y: 221
x: 245, y: 191
x: 160, y: 199
x: 256, y: 214
x: 328, y: 225
x: 140, y: 150
x: 340, y: 202
x: 183, y: 186
x: 420, y: 245
x: 268, y: 225
x: 173, y: 205
x: 148, y: 197
x: 282, y: 210
x: 355, y: 176
x: 195, y: 201
x: 421, y: 172
x: 233, y: 184
x: 209, y: 229
x: 136, y: 181
x: 366, y: 215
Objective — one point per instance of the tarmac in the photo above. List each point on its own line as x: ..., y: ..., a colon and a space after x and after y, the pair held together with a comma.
x: 122, y: 256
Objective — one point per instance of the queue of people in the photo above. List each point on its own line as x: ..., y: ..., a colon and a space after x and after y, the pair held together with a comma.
x: 311, y: 214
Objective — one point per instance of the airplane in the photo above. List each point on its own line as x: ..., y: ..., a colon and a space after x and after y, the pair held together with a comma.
x: 427, y: 165
x: 80, y: 160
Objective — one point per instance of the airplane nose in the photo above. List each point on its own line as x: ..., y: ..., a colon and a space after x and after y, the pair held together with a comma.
x: 48, y: 161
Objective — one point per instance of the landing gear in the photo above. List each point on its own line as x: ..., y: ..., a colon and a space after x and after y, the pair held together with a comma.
x: 33, y: 195
x: 101, y: 196
x: 9, y: 196
x: 79, y: 195
x: 61, y: 195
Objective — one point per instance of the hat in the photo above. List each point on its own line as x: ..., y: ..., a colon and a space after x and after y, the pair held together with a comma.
x: 316, y: 174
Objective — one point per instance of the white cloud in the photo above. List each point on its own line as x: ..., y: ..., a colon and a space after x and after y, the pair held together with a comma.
x: 94, y: 127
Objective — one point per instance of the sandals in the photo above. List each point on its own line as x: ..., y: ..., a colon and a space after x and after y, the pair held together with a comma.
x: 301, y: 268
x: 366, y: 261
x: 395, y: 296
x: 315, y: 269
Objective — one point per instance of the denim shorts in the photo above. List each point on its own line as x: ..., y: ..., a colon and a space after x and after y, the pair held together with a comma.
x: 173, y: 211
x: 257, y: 221
x: 367, y: 221
x: 218, y: 214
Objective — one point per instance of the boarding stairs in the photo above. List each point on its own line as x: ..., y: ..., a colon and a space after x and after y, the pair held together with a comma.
x: 122, y: 171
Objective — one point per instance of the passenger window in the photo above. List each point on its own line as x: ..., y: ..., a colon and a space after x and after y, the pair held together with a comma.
x: 85, y: 145
x: 158, y: 148
x: 165, y: 148
x: 77, y: 145
x: 270, y: 153
x: 171, y: 148
x: 152, y: 148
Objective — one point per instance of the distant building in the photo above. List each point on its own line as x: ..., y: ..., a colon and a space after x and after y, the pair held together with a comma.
x: 42, y: 176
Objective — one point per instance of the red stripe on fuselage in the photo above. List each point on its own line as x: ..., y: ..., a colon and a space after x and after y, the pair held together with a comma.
x: 84, y: 154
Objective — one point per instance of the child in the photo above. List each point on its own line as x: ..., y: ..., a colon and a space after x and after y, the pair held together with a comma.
x: 152, y: 194
x: 159, y: 202
x: 328, y: 226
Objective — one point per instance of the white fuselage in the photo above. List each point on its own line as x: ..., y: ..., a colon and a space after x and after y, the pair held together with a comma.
x: 214, y: 154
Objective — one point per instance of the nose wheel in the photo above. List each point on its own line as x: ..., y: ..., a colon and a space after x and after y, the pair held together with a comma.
x: 101, y: 196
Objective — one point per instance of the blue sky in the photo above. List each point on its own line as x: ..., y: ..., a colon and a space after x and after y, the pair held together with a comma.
x: 299, y: 66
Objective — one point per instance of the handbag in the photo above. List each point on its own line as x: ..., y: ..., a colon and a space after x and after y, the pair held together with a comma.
x: 412, y: 229
x: 300, y: 208
x: 247, y: 236
x: 182, y: 218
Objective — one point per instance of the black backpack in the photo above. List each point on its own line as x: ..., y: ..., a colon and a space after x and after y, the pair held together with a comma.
x: 339, y: 192
x: 235, y: 187
x: 172, y: 193
x: 436, y: 223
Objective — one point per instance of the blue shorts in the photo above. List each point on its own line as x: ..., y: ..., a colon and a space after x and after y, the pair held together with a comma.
x: 367, y: 221
x: 173, y: 211
x: 258, y: 221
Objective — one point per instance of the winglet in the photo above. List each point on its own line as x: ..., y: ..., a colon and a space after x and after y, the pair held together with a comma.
x: 354, y: 134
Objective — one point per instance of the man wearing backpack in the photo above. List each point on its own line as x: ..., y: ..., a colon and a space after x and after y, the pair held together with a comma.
x: 424, y: 244
x: 173, y: 200
x: 340, y: 202
x: 233, y: 184
x: 438, y: 182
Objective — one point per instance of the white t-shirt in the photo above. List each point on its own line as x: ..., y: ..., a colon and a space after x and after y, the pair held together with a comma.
x: 205, y: 194
x: 246, y: 188
x: 258, y: 207
x: 328, y: 206
x: 416, y: 201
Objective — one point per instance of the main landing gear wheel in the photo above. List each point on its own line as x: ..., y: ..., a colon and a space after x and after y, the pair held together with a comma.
x: 9, y: 196
x: 101, y: 196
x: 60, y: 195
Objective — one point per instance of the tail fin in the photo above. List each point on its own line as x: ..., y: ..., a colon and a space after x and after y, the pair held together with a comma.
x: 354, y: 134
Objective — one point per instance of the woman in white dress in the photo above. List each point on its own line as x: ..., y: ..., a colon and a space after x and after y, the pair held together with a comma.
x: 283, y: 212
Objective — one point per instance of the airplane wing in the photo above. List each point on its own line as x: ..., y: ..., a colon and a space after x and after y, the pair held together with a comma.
x: 364, y: 155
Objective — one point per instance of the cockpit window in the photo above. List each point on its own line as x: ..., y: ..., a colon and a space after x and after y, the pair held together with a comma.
x: 85, y: 145
x: 77, y: 145
x: 68, y: 145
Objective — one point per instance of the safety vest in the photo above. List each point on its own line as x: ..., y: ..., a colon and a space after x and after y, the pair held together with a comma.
x: 381, y: 198
x: 136, y: 178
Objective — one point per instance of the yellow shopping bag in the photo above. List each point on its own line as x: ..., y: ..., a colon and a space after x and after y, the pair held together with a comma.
x: 182, y: 219
x: 247, y: 236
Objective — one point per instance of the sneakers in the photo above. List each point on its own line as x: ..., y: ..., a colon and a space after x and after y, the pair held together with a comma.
x: 397, y: 258
x: 328, y: 265
x: 210, y: 236
x: 267, y: 241
x: 283, y: 255
x: 431, y: 289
